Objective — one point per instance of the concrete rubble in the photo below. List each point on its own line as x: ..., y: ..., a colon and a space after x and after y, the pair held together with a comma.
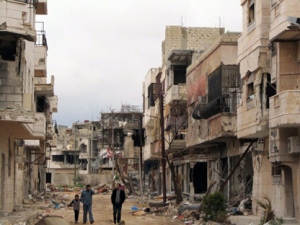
x: 55, y: 198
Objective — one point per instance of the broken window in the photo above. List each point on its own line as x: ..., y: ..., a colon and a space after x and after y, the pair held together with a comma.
x: 276, y: 174
x: 58, y: 158
x: 83, y: 147
x: 251, y: 11
x: 271, y: 90
x: 41, y: 104
x: 179, y: 74
x: 8, y: 48
x: 151, y: 94
x: 250, y: 91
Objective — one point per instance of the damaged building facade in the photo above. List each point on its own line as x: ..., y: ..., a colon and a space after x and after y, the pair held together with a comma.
x: 181, y: 47
x: 26, y: 104
x: 240, y: 98
x: 121, y: 144
x: 71, y: 160
x: 268, y: 112
x: 88, y: 151
x: 213, y: 84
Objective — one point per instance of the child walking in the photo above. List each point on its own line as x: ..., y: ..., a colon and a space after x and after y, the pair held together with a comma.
x: 76, y: 206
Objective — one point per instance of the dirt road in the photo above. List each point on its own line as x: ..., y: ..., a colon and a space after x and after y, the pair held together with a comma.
x: 102, y: 211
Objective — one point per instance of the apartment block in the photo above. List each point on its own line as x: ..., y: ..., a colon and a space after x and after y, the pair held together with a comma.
x: 27, y: 102
x: 180, y: 48
x: 267, y: 114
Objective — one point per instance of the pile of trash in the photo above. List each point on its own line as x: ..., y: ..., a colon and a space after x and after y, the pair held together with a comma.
x: 102, y: 188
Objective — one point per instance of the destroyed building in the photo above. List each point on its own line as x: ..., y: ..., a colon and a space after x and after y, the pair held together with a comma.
x: 26, y: 104
x: 121, y: 141
x: 77, y: 148
x: 86, y: 153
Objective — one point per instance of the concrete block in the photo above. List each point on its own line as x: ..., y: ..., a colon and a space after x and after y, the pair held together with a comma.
x: 2, y: 98
x: 14, y: 14
x: 7, y: 90
x: 14, y: 98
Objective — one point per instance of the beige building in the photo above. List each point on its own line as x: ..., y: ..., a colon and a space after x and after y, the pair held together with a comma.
x: 27, y: 102
x: 181, y: 47
x: 269, y: 65
x: 213, y: 91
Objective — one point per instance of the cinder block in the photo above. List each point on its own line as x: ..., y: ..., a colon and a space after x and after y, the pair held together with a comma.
x: 14, y: 98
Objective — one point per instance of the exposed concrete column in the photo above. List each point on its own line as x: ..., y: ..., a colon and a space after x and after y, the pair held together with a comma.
x: 192, y: 190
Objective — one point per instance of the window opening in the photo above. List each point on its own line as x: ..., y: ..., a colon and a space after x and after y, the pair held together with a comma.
x: 251, y: 11
x: 250, y: 91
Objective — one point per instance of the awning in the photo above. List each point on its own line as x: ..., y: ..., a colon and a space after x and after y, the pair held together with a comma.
x: 32, y: 143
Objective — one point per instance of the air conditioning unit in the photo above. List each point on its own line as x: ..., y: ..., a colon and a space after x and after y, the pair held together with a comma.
x: 293, y: 145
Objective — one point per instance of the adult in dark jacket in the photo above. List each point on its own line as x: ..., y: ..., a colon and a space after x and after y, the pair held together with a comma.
x: 117, y: 199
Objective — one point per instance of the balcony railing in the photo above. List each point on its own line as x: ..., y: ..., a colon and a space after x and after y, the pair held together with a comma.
x: 176, y: 92
x: 284, y: 109
x: 40, y: 34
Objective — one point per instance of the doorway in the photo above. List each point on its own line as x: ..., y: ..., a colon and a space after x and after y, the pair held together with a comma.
x: 288, y: 192
x: 49, y: 178
x: 200, y: 177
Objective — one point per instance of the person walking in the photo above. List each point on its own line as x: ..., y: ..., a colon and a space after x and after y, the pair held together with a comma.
x: 117, y: 199
x: 76, y: 207
x: 87, y: 200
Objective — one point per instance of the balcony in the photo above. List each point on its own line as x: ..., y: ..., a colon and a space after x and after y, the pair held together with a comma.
x: 284, y: 145
x: 222, y: 125
x: 177, y: 145
x: 280, y: 29
x: 38, y: 129
x: 176, y: 93
x: 285, y: 109
x: 42, y: 7
x: 149, y: 152
x: 250, y: 123
x: 15, y: 120
x: 40, y: 61
x: 16, y: 19
x: 148, y: 120
x: 53, y: 103
x: 40, y: 52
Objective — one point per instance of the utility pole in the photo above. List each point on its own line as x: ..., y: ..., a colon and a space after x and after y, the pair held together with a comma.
x: 163, y: 153
x: 113, y: 152
x: 75, y: 134
x: 141, y: 149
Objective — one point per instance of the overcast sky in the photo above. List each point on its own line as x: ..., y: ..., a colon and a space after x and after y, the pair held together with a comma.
x: 101, y: 50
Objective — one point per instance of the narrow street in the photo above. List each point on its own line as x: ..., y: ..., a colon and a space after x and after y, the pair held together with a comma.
x: 102, y: 211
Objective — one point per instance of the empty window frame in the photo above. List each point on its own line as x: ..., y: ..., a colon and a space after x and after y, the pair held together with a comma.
x: 250, y: 91
x: 251, y: 11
